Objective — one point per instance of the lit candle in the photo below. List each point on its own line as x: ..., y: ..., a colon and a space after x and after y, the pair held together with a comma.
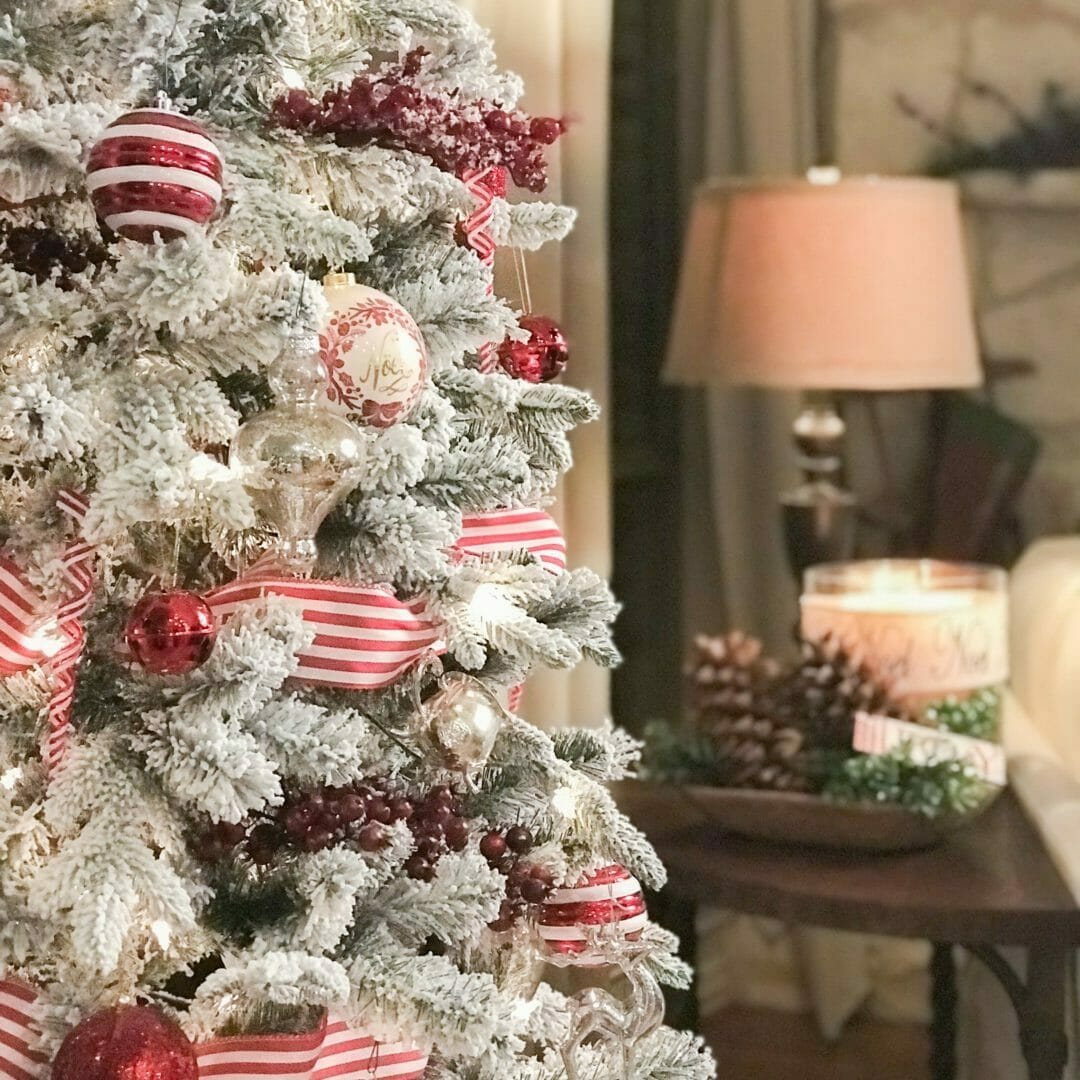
x: 928, y: 629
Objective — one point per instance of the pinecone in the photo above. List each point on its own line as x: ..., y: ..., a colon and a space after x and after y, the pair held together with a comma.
x: 728, y: 674
x: 759, y: 752
x: 823, y: 693
x: 731, y: 691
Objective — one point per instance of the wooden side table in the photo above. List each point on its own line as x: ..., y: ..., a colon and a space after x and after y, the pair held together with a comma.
x: 989, y: 885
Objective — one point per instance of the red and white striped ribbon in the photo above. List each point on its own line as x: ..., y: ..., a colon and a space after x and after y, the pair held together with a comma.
x: 19, y: 1031
x: 334, y: 1051
x: 501, y: 531
x: 31, y: 633
x: 365, y: 638
x: 485, y: 185
x: 77, y: 563
x: 22, y: 617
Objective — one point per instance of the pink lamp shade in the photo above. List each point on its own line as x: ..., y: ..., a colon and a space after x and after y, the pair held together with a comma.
x: 852, y: 284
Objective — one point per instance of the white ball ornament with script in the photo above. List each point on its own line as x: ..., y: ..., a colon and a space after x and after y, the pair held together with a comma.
x: 375, y: 357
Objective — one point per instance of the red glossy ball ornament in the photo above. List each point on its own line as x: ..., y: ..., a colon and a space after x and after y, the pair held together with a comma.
x: 127, y: 1042
x: 154, y: 172
x: 171, y: 633
x: 542, y: 357
x: 608, y: 899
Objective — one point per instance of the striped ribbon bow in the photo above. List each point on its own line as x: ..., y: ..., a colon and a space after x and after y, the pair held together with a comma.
x: 333, y: 1051
x: 503, y: 531
x: 31, y: 633
x: 485, y: 185
x: 365, y: 638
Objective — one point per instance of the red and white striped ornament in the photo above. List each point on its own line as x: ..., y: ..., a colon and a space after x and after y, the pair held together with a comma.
x: 365, y: 638
x: 154, y: 171
x: 333, y: 1051
x: 609, y: 897
x: 500, y: 532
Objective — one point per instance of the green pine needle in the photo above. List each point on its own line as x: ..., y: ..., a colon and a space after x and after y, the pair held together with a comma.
x: 676, y: 755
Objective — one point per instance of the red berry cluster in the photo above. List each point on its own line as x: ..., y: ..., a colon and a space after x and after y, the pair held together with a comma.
x: 438, y: 826
x: 46, y: 254
x: 357, y: 815
x: 390, y: 108
x: 525, y: 883
x: 310, y: 821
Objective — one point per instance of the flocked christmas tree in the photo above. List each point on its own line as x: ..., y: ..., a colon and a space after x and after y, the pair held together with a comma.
x: 238, y: 796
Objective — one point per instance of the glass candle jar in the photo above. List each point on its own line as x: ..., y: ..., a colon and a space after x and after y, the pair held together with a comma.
x: 935, y: 633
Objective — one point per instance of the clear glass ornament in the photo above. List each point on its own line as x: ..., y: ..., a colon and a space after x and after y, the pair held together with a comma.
x: 465, y: 718
x: 298, y: 459
x: 619, y: 1021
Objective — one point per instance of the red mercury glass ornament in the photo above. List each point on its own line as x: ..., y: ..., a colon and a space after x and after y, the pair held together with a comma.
x: 609, y: 897
x: 126, y: 1042
x: 153, y: 173
x: 171, y: 633
x: 542, y: 357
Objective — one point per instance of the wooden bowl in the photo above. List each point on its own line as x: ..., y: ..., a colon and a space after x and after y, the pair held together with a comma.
x: 788, y: 818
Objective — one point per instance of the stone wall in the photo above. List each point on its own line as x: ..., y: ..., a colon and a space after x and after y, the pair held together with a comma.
x: 1025, y: 236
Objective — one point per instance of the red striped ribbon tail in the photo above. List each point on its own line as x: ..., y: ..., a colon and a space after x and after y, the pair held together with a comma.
x: 19, y: 1032
x: 22, y: 613
x: 334, y: 1051
x: 485, y: 185
x: 501, y: 532
x: 77, y: 563
x: 514, y: 696
x: 73, y: 503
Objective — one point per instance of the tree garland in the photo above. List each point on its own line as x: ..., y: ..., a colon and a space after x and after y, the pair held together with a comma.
x: 390, y: 108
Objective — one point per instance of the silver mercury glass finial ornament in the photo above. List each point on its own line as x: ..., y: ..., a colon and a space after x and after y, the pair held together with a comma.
x: 298, y: 459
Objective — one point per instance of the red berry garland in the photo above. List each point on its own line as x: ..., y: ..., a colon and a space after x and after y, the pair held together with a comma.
x: 359, y: 816
x: 525, y: 883
x: 45, y: 254
x: 390, y: 108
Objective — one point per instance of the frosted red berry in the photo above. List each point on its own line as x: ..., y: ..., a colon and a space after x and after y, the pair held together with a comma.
x: 519, y: 840
x: 492, y: 846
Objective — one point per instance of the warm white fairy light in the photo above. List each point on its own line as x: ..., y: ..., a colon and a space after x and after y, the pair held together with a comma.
x: 162, y: 933
x: 11, y: 777
x: 564, y: 803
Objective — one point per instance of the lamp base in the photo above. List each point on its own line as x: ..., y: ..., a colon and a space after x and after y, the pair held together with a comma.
x: 819, y: 525
x: 819, y: 516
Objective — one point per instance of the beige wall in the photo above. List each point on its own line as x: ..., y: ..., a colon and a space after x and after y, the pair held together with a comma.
x: 920, y: 47
x: 1025, y: 236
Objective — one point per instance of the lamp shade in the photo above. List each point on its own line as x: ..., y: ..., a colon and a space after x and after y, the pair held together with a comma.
x: 853, y: 284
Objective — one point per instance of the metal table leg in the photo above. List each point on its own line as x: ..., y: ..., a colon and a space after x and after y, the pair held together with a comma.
x: 1039, y: 1003
x: 942, y: 1013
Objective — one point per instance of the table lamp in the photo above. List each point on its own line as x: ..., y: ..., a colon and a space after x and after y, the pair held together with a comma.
x: 824, y: 284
